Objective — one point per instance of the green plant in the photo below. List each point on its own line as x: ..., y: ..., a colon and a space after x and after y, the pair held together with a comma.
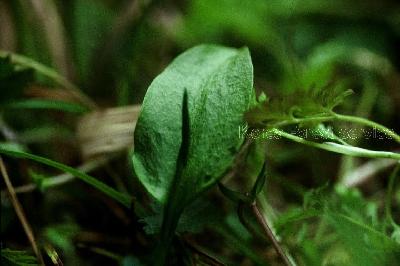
x: 176, y: 176
x: 228, y: 165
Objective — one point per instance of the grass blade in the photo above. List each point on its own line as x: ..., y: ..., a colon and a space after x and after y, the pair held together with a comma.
x: 116, y: 195
x: 48, y: 104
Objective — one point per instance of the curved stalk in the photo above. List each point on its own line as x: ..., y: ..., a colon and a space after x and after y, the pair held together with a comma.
x: 338, y: 117
x: 366, y: 122
x: 338, y: 148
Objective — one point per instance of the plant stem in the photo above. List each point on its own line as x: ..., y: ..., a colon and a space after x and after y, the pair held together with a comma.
x: 339, y: 148
x: 389, y: 195
x: 168, y: 227
x: 366, y: 122
x: 293, y: 121
x: 268, y: 232
x: 339, y: 117
x: 122, y: 198
x: 210, y: 260
x: 65, y: 177
x: 20, y: 212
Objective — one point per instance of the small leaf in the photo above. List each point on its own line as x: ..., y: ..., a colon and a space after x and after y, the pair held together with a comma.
x: 312, y: 102
x: 322, y: 132
x: 37, y: 179
x: 396, y: 235
x: 234, y: 196
x: 259, y: 184
x: 262, y: 98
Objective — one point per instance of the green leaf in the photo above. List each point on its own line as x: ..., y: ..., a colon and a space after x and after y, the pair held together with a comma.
x: 259, y: 184
x: 219, y: 84
x: 325, y: 133
x: 371, y: 247
x: 111, y: 192
x: 305, y: 103
x: 131, y: 261
x: 198, y: 215
x: 62, y: 237
x: 248, y: 197
x: 91, y: 20
x: 17, y: 258
x: 30, y: 64
x: 234, y: 196
x: 47, y: 104
x: 13, y: 79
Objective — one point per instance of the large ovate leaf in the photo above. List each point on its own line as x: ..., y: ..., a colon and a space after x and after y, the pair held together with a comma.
x: 219, y: 85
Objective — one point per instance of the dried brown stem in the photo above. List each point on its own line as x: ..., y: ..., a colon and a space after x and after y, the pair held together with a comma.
x: 20, y: 212
x: 207, y: 258
x: 268, y: 232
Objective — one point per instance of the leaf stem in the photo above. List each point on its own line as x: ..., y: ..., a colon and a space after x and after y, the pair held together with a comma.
x: 389, y: 195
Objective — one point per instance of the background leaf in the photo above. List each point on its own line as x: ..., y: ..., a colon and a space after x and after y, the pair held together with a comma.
x: 17, y: 258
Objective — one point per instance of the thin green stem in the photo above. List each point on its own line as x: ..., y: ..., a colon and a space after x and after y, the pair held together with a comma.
x: 364, y: 109
x: 122, y: 198
x: 338, y: 148
x: 63, y: 178
x: 294, y: 121
x: 366, y: 122
x: 389, y: 196
x: 338, y: 117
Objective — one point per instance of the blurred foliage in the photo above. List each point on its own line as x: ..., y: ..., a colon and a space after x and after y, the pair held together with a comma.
x: 305, y: 53
x: 17, y: 258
